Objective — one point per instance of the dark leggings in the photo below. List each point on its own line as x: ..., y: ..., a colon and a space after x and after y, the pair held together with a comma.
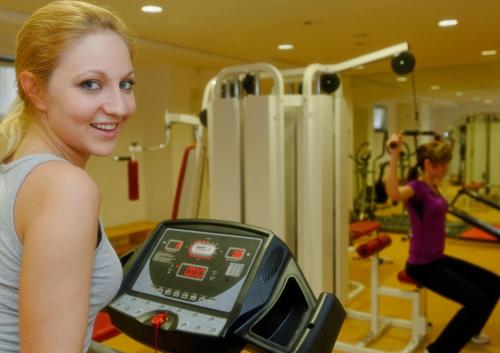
x: 474, y: 287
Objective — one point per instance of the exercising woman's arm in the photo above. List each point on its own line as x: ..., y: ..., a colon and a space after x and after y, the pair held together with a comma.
x: 394, y: 191
x: 56, y: 213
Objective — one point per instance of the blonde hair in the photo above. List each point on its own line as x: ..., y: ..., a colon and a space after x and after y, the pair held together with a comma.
x: 39, y: 45
x: 437, y: 152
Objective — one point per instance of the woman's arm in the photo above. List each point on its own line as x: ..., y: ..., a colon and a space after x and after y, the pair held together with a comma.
x: 57, y: 212
x: 394, y: 191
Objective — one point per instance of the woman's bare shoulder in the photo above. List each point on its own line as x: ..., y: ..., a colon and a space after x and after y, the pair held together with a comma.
x: 56, y: 190
x: 59, y: 176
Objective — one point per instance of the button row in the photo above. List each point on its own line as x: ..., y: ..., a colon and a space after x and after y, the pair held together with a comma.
x: 190, y: 321
x: 176, y: 293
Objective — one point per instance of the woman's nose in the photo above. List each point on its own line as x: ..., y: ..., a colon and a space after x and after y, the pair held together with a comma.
x: 117, y: 102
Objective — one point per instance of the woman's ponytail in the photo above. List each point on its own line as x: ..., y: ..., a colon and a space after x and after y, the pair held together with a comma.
x: 436, y: 152
x: 12, y: 129
x: 413, y: 173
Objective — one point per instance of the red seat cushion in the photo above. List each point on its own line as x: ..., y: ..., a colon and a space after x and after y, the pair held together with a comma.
x: 362, y: 228
x: 478, y: 234
x: 374, y: 245
x: 404, y: 278
x: 103, y: 328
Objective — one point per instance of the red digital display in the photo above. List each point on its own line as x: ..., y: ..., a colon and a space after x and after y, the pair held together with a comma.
x: 237, y: 253
x: 192, y: 272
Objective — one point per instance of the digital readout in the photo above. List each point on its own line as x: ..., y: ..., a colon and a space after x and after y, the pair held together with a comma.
x: 191, y: 271
x: 202, y: 249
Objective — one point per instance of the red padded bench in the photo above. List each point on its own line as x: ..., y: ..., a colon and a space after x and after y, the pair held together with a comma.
x: 404, y: 278
x: 361, y: 228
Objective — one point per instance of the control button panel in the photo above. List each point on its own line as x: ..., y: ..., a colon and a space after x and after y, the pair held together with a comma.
x: 188, y: 321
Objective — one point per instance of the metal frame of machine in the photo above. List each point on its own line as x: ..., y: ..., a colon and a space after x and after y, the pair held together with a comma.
x: 250, y: 172
x: 322, y: 170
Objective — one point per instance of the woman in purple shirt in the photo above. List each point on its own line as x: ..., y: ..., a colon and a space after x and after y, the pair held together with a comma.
x: 475, y: 288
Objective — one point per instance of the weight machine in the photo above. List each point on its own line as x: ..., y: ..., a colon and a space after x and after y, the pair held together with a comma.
x: 468, y: 218
x: 268, y: 151
x: 280, y: 161
x: 188, y: 192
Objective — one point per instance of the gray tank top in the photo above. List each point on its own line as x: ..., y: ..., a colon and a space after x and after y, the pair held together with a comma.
x: 107, y: 273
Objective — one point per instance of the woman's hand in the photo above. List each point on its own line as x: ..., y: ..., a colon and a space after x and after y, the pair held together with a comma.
x: 394, y: 144
x: 394, y: 191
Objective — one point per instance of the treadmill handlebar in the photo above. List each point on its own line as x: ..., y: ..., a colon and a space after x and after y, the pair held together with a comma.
x: 327, y: 317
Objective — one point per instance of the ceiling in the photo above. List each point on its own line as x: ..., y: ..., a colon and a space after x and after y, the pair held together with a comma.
x: 218, y: 33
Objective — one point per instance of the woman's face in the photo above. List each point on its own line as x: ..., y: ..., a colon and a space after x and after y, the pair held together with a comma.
x: 437, y: 171
x: 90, y: 96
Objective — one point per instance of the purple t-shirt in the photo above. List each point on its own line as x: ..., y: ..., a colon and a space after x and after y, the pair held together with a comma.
x: 427, y: 212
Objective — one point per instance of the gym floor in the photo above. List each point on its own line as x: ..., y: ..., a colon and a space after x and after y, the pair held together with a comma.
x: 439, y: 310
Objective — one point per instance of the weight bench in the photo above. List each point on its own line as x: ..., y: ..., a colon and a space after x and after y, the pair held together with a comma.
x: 379, y: 323
x: 358, y: 230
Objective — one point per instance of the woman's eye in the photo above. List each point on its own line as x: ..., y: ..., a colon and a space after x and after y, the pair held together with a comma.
x: 90, y: 85
x: 127, y: 85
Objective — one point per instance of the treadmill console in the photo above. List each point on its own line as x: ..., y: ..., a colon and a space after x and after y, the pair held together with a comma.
x: 221, y: 285
x: 203, y: 269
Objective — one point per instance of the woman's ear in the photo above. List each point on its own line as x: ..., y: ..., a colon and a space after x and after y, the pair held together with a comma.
x: 33, y: 89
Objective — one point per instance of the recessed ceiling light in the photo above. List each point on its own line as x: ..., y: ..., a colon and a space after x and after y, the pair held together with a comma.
x: 151, y: 9
x: 449, y: 22
x: 476, y: 98
x: 489, y: 52
x: 488, y: 101
x: 435, y: 87
x: 401, y: 79
x: 285, y: 46
x: 459, y: 94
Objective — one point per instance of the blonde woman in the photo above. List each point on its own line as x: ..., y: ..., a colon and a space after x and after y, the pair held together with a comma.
x: 57, y: 269
x: 473, y: 287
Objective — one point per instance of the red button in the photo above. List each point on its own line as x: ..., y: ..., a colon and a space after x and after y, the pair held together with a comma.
x: 238, y: 253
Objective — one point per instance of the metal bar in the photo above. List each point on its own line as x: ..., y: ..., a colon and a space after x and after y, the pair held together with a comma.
x: 352, y: 63
x: 7, y: 59
x: 467, y: 218
x: 418, y: 132
x: 457, y: 196
x: 482, y: 199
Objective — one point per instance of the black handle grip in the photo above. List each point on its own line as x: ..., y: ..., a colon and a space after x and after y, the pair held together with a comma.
x: 122, y: 158
x: 393, y: 145
x: 323, y: 327
x: 417, y: 132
